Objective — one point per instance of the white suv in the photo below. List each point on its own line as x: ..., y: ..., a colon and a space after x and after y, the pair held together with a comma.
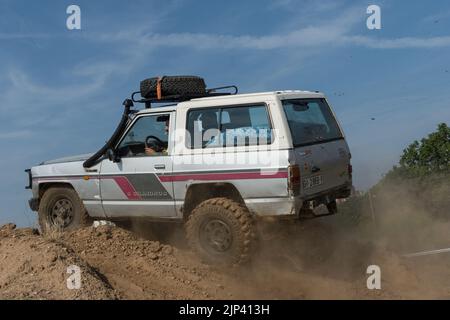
x: 214, y: 163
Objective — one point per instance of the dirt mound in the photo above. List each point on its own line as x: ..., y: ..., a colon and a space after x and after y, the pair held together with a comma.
x: 36, y: 268
x: 313, y: 260
x: 143, y: 269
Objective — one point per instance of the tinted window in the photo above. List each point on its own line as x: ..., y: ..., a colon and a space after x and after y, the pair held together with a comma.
x: 202, y: 126
x: 310, y: 121
x: 149, y: 133
x: 229, y: 126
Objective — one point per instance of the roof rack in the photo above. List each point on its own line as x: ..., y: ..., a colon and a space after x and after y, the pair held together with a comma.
x: 180, y: 98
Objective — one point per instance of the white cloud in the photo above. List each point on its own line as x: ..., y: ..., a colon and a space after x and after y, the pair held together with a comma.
x: 398, y: 43
x: 332, y: 32
x: 18, y: 36
x: 307, y: 7
x: 324, y: 32
x: 23, y: 86
x: 309, y: 37
x: 15, y: 134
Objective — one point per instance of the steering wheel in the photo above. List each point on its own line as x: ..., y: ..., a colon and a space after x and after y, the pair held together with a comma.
x: 154, y: 143
x: 131, y: 148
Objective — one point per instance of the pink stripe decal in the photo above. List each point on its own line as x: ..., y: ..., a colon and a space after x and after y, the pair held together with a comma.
x: 122, y: 181
x: 126, y: 187
x: 222, y: 176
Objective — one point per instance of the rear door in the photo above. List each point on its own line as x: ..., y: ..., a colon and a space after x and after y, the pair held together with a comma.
x: 319, y: 145
x: 132, y: 187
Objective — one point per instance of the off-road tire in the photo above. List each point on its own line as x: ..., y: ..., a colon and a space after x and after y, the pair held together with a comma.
x: 174, y: 85
x: 48, y: 202
x: 239, y: 222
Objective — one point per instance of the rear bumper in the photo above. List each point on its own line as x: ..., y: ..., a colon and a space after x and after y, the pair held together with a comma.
x: 34, y: 204
x: 342, y: 191
x: 292, y: 206
x: 272, y: 206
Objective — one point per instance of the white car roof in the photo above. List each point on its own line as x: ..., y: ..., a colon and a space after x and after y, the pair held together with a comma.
x: 267, y: 93
x: 158, y: 109
x: 284, y: 94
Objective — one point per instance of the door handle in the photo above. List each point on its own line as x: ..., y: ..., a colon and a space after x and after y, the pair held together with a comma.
x: 315, y: 169
x: 159, y: 166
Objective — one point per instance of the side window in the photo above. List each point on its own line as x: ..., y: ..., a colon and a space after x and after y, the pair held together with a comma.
x: 147, y: 137
x: 229, y: 126
x: 202, y: 126
x: 247, y: 126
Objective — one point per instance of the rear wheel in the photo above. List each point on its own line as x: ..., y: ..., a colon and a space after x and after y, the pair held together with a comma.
x: 61, y: 209
x: 220, y: 231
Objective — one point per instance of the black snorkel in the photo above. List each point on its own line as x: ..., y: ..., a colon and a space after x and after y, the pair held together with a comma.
x: 128, y: 104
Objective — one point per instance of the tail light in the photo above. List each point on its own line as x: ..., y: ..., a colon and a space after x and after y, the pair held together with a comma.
x: 294, y: 177
x: 350, y: 170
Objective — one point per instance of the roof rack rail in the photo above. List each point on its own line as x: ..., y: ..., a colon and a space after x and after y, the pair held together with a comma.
x: 180, y: 98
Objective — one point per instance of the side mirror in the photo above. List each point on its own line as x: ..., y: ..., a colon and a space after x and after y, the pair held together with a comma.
x: 112, y: 156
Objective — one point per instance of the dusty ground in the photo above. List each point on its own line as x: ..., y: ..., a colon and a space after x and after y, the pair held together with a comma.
x: 319, y: 259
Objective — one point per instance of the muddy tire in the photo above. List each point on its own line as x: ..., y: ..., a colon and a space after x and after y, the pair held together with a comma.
x: 221, y: 232
x: 61, y: 209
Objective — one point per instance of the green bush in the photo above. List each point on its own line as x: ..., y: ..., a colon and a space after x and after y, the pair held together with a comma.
x: 421, y: 180
x: 428, y: 157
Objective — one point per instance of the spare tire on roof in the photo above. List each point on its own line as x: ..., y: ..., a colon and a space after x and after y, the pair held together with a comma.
x: 185, y: 86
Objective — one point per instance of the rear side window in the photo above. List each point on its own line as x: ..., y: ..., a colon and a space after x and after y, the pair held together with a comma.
x: 229, y: 127
x: 310, y: 121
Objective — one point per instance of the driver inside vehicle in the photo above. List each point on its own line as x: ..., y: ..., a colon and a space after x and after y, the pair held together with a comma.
x: 154, y: 149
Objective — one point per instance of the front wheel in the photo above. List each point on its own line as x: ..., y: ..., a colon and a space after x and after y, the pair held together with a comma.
x: 61, y: 209
x: 220, y: 231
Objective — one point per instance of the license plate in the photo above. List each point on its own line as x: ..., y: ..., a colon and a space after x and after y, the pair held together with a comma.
x: 312, y: 182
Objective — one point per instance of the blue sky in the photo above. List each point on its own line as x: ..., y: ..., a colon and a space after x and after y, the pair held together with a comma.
x: 62, y: 90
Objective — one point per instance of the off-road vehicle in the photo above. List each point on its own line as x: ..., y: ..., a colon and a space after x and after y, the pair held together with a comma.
x: 210, y: 158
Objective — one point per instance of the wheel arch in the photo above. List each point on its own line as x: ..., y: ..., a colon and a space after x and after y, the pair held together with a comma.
x: 199, y: 192
x: 44, y: 186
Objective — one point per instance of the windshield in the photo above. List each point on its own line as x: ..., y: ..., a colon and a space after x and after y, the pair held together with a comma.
x: 310, y: 121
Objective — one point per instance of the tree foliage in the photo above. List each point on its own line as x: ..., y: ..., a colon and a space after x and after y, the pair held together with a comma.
x: 429, y: 156
x: 422, y: 178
